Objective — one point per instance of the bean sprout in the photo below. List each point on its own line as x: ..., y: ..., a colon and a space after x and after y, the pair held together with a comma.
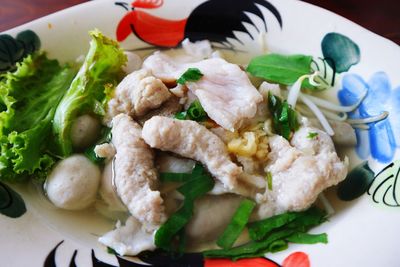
x: 318, y: 113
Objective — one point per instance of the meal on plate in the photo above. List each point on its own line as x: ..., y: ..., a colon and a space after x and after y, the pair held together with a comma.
x: 183, y: 149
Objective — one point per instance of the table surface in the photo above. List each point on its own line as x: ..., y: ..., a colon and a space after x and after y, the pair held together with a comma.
x: 381, y: 17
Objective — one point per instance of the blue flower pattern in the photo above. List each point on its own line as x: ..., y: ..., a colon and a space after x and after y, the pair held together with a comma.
x: 382, y: 138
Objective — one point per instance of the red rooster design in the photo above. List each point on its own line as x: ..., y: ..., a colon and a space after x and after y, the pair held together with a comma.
x: 215, y: 20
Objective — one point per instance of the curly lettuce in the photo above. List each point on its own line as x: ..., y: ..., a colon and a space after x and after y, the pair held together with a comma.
x: 101, y: 70
x: 28, y: 100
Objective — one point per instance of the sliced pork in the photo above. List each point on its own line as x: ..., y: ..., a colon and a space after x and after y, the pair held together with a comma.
x: 138, y: 93
x: 300, y: 171
x: 225, y: 91
x: 167, y: 109
x: 135, y: 174
x: 192, y: 140
x: 129, y: 239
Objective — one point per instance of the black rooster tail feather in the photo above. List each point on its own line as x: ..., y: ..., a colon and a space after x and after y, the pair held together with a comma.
x: 272, y: 9
x: 217, y: 20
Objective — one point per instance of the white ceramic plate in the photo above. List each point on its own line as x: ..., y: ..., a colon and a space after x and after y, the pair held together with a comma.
x: 362, y: 232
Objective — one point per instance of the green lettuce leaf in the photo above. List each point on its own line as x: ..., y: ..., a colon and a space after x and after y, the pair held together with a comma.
x: 101, y: 70
x: 28, y: 100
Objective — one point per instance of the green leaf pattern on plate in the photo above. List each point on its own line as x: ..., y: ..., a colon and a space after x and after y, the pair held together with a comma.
x: 356, y: 183
x: 11, y: 203
x: 13, y: 50
x: 340, y: 52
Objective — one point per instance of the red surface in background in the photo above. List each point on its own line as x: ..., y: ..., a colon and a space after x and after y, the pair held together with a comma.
x: 381, y: 17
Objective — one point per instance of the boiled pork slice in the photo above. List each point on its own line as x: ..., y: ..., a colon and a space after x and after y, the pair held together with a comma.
x: 224, y: 91
x: 192, y: 140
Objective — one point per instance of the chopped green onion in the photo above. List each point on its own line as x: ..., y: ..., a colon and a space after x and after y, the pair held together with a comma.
x: 284, y: 118
x: 237, y: 224
x: 190, y: 75
x: 269, y: 180
x: 284, y: 114
x: 181, y: 115
x: 305, y: 238
x: 312, y: 135
x: 195, y: 112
